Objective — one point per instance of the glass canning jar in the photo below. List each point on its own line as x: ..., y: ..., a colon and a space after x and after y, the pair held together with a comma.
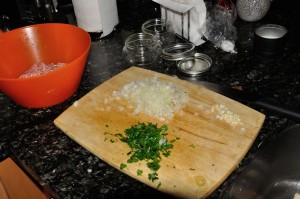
x: 141, y: 49
x: 162, y: 29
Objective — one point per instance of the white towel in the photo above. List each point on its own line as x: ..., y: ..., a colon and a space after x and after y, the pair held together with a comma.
x: 197, y: 17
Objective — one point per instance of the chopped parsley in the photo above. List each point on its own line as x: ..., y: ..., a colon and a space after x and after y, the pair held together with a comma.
x: 122, y: 166
x: 139, y: 172
x: 158, y: 185
x: 147, y: 142
x: 153, y: 176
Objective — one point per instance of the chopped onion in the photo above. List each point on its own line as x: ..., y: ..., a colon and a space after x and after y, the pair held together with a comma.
x: 157, y: 98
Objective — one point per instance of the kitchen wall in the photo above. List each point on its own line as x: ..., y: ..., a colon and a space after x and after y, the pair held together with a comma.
x: 133, y: 13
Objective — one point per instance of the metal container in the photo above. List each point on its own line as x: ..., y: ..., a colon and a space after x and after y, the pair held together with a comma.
x: 274, y: 171
x: 269, y: 39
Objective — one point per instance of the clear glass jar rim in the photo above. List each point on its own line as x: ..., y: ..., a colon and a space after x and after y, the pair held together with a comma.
x: 140, y: 37
x: 157, y: 21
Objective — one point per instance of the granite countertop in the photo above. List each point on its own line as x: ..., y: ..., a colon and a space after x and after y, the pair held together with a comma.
x: 69, y: 171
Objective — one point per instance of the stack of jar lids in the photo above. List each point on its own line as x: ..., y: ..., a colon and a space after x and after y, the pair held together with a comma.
x: 189, y: 62
x: 195, y: 65
x: 178, y: 51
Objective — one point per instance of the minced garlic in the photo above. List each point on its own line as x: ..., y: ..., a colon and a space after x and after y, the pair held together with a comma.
x: 223, y: 113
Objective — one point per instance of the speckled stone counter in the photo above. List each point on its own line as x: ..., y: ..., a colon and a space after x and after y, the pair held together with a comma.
x: 70, y: 171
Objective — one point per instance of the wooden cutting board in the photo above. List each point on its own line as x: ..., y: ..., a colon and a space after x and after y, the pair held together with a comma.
x: 208, y: 150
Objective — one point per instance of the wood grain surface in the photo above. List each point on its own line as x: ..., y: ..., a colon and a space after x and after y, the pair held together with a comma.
x: 15, y: 184
x: 208, y: 150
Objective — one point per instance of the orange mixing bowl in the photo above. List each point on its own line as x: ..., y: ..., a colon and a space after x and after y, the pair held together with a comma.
x: 42, y: 43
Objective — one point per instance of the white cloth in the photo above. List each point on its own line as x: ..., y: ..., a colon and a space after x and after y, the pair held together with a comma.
x: 96, y: 15
x: 197, y: 17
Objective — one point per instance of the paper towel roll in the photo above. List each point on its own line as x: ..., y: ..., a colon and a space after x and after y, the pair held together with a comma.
x: 96, y: 15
